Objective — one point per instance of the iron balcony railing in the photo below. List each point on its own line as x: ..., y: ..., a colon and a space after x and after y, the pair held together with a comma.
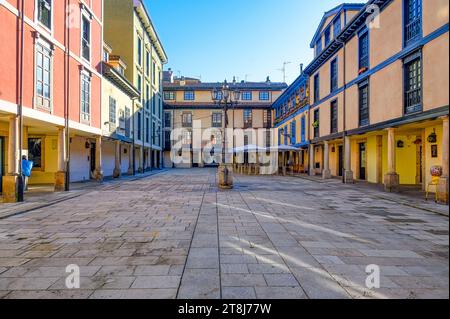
x: 413, y: 30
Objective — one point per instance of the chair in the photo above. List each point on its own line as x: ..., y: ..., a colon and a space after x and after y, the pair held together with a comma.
x: 434, y: 183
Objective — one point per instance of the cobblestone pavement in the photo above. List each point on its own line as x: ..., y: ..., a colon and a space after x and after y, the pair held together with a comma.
x: 174, y: 235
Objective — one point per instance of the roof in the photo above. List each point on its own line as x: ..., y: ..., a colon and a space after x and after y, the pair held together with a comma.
x: 205, y: 105
x: 119, y: 80
x: 334, y: 11
x: 269, y: 86
x: 145, y: 16
x: 301, y: 80
x: 346, y: 34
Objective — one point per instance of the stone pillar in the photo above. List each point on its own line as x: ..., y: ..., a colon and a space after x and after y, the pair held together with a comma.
x: 348, y: 174
x: 130, y: 160
x: 117, y: 165
x: 391, y: 179
x: 379, y: 155
x: 60, y: 175
x: 326, y: 173
x: 10, y: 181
x: 443, y: 187
x: 98, y: 174
x: 312, y: 164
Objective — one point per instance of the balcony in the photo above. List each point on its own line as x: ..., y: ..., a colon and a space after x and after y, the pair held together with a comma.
x: 413, y: 31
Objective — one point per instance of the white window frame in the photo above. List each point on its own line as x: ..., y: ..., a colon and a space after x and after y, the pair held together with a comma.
x: 83, y: 114
x: 88, y: 16
x: 36, y: 17
x: 49, y: 47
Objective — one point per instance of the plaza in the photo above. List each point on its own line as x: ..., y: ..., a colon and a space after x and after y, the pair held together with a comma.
x: 174, y: 234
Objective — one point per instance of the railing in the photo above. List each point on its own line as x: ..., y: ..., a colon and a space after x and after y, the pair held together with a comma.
x: 413, y: 100
x: 413, y: 30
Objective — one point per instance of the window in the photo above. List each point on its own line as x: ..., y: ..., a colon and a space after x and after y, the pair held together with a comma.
x: 105, y: 56
x: 85, y: 97
x: 316, y: 88
x: 293, y: 132
x: 169, y: 96
x: 154, y: 72
x: 337, y: 27
x: 167, y: 120
x: 248, y: 118
x: 364, y: 51
x: 303, y: 129
x: 334, y: 75
x: 413, y: 20
x: 413, y: 83
x: 364, y: 104
x: 327, y: 36
x: 187, y: 137
x: 246, y: 96
x: 35, y: 151
x: 267, y: 118
x: 45, y: 13
x: 217, y: 120
x: 186, y: 119
x: 319, y: 46
x: 147, y: 63
x: 139, y: 125
x: 43, y: 76
x: 189, y: 95
x: 264, y: 96
x: 147, y: 96
x: 147, y: 130
x: 268, y: 138
x: 167, y: 142
x: 334, y: 117
x: 154, y: 103
x: 127, y: 122
x: 86, y: 39
x: 112, y: 111
x: 285, y: 135
x: 139, y: 51
x: 316, y: 124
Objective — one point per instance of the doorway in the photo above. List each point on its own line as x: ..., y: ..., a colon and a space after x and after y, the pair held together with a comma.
x: 419, y: 165
x: 362, y: 161
x: 92, y: 158
x: 341, y: 160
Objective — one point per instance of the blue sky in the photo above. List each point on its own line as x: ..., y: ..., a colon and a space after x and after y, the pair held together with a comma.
x: 249, y: 39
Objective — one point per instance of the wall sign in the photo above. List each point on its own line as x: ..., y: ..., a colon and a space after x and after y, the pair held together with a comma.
x: 434, y: 151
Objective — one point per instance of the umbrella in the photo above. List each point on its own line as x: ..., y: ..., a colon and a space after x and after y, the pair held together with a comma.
x: 284, y: 148
x: 249, y: 149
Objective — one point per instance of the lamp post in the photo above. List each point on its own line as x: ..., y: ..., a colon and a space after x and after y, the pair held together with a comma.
x: 226, y: 97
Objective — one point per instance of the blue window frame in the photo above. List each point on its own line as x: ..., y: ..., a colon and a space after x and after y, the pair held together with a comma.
x: 337, y: 26
x: 334, y: 75
x: 364, y: 51
x: 319, y: 46
x: 285, y: 135
x: 246, y: 96
x: 316, y: 88
x: 264, y: 96
x: 303, y: 129
x: 293, y: 132
x: 327, y: 36
x: 364, y: 104
x: 413, y: 83
x: 279, y: 136
x: 412, y: 20
x: 189, y: 95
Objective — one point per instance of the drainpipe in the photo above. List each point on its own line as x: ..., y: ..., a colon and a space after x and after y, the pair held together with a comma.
x: 67, y: 107
x: 344, y: 132
x: 20, y: 197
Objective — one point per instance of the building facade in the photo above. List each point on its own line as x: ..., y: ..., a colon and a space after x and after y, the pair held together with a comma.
x: 379, y: 99
x: 130, y: 32
x: 50, y: 77
x: 118, y: 105
x: 189, y: 108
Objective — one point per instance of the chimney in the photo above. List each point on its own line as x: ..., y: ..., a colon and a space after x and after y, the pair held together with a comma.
x: 234, y: 80
x: 268, y: 79
x: 301, y: 68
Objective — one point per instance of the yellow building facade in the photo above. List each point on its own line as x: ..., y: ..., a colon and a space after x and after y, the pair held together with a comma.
x: 130, y: 32
x: 188, y: 107
x: 379, y: 94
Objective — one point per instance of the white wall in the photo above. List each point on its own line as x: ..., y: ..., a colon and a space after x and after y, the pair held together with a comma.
x: 108, y: 158
x: 79, y: 160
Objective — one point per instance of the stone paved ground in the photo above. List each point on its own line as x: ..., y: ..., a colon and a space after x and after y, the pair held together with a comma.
x: 174, y: 235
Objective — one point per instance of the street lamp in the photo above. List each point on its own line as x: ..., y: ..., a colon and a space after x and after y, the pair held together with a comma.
x: 226, y: 97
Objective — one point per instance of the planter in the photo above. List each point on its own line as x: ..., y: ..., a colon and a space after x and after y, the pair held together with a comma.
x: 436, y: 171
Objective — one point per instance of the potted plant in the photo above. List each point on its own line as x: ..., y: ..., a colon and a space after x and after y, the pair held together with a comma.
x: 316, y: 124
x: 436, y: 171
